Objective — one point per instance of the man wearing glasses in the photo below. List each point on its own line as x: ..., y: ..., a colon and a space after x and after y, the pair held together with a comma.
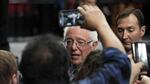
x: 79, y: 42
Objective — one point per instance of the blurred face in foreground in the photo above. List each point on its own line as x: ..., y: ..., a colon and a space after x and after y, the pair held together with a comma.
x: 129, y: 31
x: 79, y: 44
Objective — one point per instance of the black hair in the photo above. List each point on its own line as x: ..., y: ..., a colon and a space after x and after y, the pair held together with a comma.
x: 45, y: 61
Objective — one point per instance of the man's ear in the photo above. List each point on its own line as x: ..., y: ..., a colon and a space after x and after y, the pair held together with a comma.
x: 95, y: 44
x: 15, y: 79
x: 143, y: 28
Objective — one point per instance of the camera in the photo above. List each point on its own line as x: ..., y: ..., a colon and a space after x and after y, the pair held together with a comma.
x: 70, y: 18
x: 140, y: 54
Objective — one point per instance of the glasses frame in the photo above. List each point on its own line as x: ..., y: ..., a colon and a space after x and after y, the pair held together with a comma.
x: 77, y: 42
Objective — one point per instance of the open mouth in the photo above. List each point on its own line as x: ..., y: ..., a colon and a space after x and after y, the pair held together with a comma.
x: 74, y: 56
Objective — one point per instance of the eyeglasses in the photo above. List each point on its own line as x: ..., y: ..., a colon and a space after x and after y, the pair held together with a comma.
x: 69, y: 42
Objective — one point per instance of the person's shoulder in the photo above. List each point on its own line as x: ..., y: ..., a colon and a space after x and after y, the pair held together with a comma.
x: 113, y: 51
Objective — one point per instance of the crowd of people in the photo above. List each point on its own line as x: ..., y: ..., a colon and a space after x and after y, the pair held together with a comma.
x: 76, y: 58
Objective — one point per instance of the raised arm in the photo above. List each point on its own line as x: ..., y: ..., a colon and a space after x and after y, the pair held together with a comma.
x: 96, y: 20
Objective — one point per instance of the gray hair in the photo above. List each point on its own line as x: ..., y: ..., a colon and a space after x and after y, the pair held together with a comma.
x: 93, y: 34
x: 93, y: 37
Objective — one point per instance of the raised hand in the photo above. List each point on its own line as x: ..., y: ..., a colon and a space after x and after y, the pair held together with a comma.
x: 93, y: 15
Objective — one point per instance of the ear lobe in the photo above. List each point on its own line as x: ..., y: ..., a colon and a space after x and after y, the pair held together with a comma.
x: 143, y: 28
x: 95, y: 44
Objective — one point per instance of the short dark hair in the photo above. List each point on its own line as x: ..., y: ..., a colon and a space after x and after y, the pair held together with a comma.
x: 8, y: 66
x: 45, y: 61
x: 137, y: 12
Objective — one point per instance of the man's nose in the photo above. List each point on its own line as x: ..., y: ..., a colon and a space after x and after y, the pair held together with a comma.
x: 74, y: 46
x: 125, y: 35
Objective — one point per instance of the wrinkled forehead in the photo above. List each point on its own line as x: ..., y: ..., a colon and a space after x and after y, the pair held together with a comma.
x: 76, y: 32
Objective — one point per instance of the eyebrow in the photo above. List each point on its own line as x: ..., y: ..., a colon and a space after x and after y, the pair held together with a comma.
x: 76, y: 39
x: 130, y: 27
x: 127, y: 27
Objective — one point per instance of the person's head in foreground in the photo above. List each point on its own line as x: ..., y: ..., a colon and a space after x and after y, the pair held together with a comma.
x: 8, y: 68
x: 45, y: 61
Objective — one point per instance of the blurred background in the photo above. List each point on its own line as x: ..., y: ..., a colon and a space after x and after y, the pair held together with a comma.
x: 22, y: 19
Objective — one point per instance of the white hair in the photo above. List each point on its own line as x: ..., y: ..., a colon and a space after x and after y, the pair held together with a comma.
x: 93, y: 37
x: 93, y: 34
x: 65, y: 32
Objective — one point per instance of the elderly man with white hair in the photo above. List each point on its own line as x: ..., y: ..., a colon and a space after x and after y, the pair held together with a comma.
x: 79, y: 43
